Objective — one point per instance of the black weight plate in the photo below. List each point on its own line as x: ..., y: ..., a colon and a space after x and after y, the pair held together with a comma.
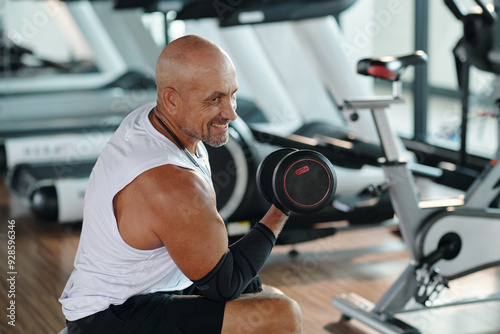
x: 265, y: 172
x: 304, y: 182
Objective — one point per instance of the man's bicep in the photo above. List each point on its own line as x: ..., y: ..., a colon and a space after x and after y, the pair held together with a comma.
x: 191, y: 229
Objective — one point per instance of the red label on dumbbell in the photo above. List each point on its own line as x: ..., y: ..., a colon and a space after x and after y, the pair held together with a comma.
x: 302, y: 170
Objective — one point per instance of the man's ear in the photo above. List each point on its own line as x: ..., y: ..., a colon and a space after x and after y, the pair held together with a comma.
x: 171, y: 99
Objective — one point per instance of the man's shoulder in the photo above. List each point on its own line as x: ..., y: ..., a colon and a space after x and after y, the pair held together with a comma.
x: 173, y: 175
x: 139, y: 111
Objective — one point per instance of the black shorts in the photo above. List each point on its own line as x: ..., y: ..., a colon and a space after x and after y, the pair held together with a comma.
x: 182, y: 312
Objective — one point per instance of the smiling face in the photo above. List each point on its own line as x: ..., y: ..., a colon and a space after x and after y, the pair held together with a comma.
x: 197, y: 87
x: 209, y: 103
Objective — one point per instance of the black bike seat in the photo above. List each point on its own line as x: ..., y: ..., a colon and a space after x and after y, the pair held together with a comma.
x: 390, y: 68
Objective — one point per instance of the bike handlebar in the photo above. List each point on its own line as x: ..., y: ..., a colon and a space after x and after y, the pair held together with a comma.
x: 455, y: 9
x: 489, y: 17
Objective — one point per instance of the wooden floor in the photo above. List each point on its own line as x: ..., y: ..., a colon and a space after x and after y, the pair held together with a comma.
x: 364, y: 261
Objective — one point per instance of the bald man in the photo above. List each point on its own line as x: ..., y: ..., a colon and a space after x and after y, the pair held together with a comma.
x: 153, y: 255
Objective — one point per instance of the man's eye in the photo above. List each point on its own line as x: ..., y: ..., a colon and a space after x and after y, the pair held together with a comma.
x: 216, y: 99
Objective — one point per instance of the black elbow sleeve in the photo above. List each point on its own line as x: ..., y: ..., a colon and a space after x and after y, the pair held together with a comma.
x: 238, y: 266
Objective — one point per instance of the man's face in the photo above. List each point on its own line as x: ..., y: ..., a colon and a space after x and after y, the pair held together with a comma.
x: 210, y: 104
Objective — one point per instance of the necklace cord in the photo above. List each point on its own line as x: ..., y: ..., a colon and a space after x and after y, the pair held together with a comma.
x: 182, y: 147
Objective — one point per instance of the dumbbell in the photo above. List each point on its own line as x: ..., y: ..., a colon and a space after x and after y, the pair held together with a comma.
x: 301, y: 181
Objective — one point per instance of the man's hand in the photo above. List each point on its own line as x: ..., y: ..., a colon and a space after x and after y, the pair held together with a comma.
x: 275, y: 220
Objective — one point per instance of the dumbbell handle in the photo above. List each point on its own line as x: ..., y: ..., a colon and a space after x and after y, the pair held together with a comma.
x: 280, y: 207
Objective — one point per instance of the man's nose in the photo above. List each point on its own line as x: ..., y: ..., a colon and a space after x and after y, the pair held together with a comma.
x: 229, y: 111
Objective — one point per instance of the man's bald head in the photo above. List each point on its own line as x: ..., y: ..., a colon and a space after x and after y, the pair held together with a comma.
x: 182, y: 62
x: 197, y: 84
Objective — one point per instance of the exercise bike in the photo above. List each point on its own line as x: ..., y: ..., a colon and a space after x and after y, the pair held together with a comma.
x: 446, y: 239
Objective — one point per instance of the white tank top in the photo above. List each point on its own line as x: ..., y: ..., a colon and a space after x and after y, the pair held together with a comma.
x: 108, y: 270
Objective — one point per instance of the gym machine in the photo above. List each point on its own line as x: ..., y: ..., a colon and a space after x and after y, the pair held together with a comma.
x: 42, y: 168
x: 26, y: 155
x: 268, y: 75
x: 446, y: 239
x: 57, y: 117
x: 234, y: 165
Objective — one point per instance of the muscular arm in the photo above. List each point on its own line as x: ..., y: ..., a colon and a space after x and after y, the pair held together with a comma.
x: 176, y: 208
